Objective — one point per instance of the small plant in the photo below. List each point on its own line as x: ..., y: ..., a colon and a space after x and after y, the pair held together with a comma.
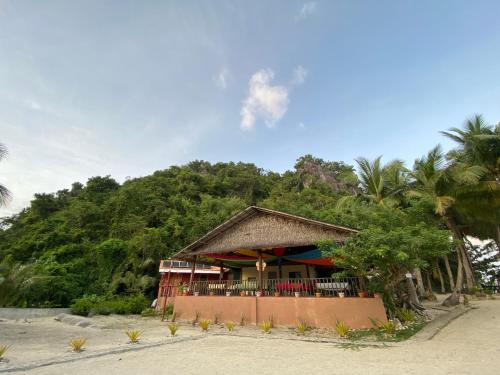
x: 77, y: 344
x: 342, y: 329
x: 242, y: 320
x: 406, y: 315
x: 266, y: 326
x: 271, y: 320
x: 230, y: 326
x: 302, y: 327
x: 216, y: 318
x: 174, y: 315
x: 3, y: 350
x: 466, y: 301
x: 133, y: 335
x: 389, y: 327
x: 204, y: 324
x: 173, y: 329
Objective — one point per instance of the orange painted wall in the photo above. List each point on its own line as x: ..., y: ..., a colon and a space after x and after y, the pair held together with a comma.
x: 286, y: 311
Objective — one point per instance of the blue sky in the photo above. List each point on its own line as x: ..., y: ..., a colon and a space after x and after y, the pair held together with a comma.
x: 127, y: 87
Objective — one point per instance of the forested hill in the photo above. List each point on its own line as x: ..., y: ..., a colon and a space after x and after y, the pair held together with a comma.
x: 103, y: 237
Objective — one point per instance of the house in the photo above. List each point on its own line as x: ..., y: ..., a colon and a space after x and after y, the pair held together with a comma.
x: 274, y: 269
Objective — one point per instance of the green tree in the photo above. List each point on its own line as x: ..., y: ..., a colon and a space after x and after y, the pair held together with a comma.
x: 5, y: 194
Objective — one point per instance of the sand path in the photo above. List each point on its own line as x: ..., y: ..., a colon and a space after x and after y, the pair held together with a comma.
x: 468, y: 345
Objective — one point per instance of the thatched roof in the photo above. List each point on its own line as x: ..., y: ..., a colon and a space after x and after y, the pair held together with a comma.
x: 257, y: 227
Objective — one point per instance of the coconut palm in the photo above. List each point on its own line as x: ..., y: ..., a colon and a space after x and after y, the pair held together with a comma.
x: 5, y: 195
x: 380, y: 184
x: 438, y: 183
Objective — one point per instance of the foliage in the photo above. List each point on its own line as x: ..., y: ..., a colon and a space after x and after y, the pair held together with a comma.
x: 149, y: 311
x: 266, y: 326
x: 406, y: 315
x: 302, y: 327
x: 230, y: 326
x: 3, y: 350
x: 133, y: 335
x: 342, y: 329
x: 388, y: 328
x: 204, y: 324
x: 173, y: 329
x: 104, y: 305
x: 77, y: 343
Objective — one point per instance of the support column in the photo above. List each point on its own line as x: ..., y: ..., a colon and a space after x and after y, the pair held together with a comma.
x: 191, y: 277
x: 260, y: 271
x: 221, y: 272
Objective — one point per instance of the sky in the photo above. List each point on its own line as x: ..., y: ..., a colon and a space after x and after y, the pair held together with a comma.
x: 124, y: 88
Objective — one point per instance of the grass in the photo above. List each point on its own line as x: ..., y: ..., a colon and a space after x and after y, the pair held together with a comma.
x: 406, y: 315
x: 388, y: 328
x: 230, y: 326
x: 375, y: 334
x: 133, y: 335
x: 77, y: 344
x: 3, y: 350
x: 204, y: 324
x: 266, y: 326
x: 173, y: 329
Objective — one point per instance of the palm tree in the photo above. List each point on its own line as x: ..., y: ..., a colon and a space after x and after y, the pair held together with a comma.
x: 5, y: 195
x: 437, y: 183
x: 380, y: 184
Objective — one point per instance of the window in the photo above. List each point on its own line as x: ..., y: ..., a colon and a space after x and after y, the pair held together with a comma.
x: 295, y: 275
x: 272, y: 275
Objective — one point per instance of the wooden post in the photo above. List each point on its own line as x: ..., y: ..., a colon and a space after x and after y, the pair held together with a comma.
x: 260, y: 271
x: 221, y: 272
x: 191, y: 277
x: 164, y: 308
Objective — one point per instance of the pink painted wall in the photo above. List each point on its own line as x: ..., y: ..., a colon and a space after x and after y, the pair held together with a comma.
x: 286, y: 311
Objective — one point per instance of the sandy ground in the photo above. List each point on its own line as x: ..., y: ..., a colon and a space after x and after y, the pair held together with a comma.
x: 468, y: 345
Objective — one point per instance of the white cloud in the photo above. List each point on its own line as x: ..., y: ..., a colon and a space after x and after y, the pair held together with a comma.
x: 264, y: 100
x: 308, y: 9
x: 221, y: 79
x: 299, y: 75
x: 301, y: 125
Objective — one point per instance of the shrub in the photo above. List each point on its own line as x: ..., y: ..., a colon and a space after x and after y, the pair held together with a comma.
x: 173, y: 329
x: 342, y: 329
x: 204, y: 324
x: 389, y: 327
x: 406, y: 315
x: 133, y: 335
x: 136, y: 304
x: 266, y: 326
x: 77, y: 344
x: 301, y: 328
x: 82, y: 306
x: 100, y: 305
x: 230, y: 326
x: 3, y: 350
x: 148, y: 312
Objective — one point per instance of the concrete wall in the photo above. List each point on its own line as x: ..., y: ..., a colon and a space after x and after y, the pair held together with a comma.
x: 18, y: 313
x: 286, y: 311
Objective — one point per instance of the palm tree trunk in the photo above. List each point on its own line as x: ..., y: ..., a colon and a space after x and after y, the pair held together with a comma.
x: 420, y: 282
x: 466, y: 264
x: 454, y: 298
x: 448, y: 270
x: 429, y: 284
x: 441, y: 280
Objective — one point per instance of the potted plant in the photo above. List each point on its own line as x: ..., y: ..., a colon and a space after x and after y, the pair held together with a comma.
x: 317, y: 293
x: 182, y: 289
x: 242, y: 293
x: 277, y: 293
x: 196, y: 294
x: 258, y: 293
x: 297, y: 294
x: 341, y: 294
x: 362, y: 294
x: 211, y: 293
x: 228, y: 293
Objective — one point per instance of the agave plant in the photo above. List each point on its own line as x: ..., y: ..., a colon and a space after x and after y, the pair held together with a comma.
x: 204, y: 324
x: 266, y: 326
x: 342, y: 329
x: 77, y: 344
x: 230, y: 326
x: 133, y: 335
x: 3, y: 350
x: 173, y: 329
x: 301, y: 327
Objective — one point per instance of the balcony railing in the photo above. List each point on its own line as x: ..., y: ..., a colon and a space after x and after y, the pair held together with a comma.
x: 328, y: 287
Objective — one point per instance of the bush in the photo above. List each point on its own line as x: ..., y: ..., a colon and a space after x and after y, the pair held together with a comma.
x: 97, y: 305
x: 148, y: 312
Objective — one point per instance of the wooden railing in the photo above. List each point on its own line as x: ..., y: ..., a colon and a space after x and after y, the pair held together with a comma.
x: 348, y: 287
